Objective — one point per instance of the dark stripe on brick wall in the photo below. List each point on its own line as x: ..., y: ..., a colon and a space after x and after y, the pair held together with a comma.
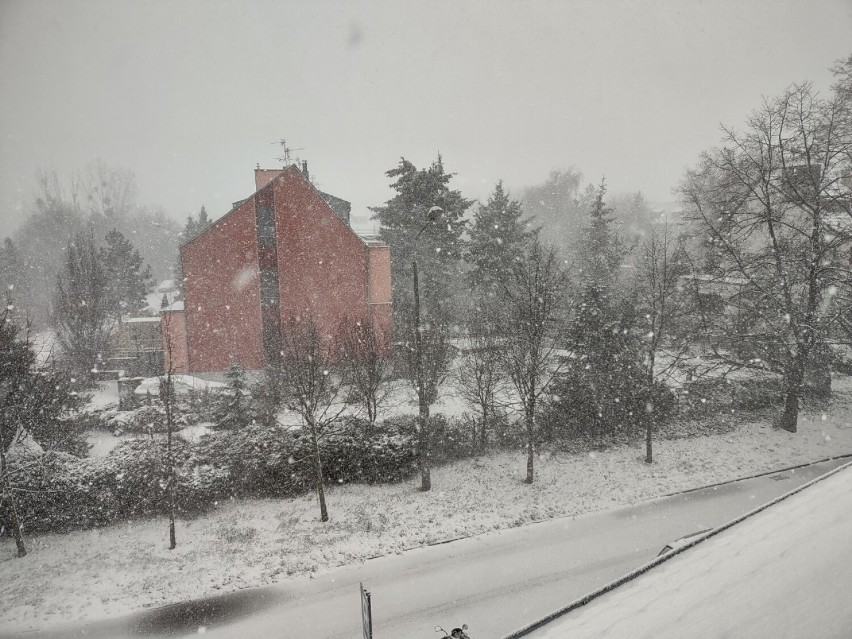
x: 267, y: 258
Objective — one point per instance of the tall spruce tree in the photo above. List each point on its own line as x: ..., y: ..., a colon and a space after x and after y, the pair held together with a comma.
x: 128, y: 277
x: 602, y: 391
x: 498, y: 239
x: 439, y: 248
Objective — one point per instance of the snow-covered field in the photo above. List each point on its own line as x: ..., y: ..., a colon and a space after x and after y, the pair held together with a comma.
x: 250, y: 543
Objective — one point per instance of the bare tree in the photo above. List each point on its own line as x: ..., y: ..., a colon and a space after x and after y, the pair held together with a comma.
x: 310, y: 387
x: 479, y: 377
x: 775, y: 206
x: 367, y: 365
x: 428, y: 356
x: 534, y: 304
x: 661, y: 267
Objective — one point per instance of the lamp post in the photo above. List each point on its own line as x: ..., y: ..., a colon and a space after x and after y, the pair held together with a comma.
x: 423, y: 406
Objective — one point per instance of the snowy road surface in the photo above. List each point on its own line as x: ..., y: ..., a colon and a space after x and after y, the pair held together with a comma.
x: 495, y: 583
x: 783, y: 572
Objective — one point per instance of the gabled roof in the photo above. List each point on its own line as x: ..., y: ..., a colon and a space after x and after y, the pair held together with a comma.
x: 336, y: 205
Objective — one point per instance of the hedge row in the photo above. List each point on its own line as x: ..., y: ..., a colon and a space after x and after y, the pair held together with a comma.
x: 57, y: 492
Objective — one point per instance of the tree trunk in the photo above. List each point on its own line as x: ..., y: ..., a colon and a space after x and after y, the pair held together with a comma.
x: 482, y: 436
x: 649, y: 453
x: 530, y: 444
x: 425, y: 471
x: 423, y: 411
x: 9, y: 498
x: 318, y: 474
x: 372, y: 409
x: 166, y: 396
x: 649, y: 426
x: 792, y: 391
x: 172, y: 536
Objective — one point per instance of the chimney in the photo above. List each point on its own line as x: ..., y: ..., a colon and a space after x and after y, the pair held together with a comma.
x: 305, y: 170
x: 262, y: 177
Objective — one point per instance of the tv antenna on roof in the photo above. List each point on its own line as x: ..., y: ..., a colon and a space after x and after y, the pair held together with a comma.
x: 287, y: 159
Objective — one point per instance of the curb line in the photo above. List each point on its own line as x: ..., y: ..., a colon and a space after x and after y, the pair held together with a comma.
x: 763, y: 474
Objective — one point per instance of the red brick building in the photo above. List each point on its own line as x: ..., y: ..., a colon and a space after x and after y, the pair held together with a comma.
x: 287, y: 251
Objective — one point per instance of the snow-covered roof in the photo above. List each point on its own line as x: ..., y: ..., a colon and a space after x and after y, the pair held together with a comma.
x: 166, y: 286
x: 371, y: 239
x: 140, y: 320
x: 784, y: 571
x: 174, y: 306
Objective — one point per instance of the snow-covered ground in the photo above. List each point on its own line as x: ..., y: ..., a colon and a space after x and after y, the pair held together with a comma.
x: 248, y: 543
x: 182, y: 384
x: 783, y: 572
x: 104, y: 395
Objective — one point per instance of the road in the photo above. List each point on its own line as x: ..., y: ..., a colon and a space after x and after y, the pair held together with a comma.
x: 495, y: 583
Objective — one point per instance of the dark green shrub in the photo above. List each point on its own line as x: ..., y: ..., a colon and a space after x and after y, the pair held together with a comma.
x: 714, y: 394
x: 61, y: 492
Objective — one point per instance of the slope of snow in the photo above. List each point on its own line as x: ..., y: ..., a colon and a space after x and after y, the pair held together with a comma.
x: 253, y: 542
x: 783, y: 572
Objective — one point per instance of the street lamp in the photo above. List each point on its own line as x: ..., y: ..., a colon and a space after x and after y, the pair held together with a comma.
x: 423, y: 406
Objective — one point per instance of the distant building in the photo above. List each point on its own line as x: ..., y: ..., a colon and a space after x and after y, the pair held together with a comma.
x: 285, y: 252
x: 137, y: 347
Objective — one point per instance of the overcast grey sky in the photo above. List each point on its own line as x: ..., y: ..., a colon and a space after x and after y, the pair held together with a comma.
x: 189, y: 95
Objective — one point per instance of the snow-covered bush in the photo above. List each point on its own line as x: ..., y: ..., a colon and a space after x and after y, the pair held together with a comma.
x: 98, y: 419
x: 744, y: 393
x: 254, y: 461
x: 150, y: 418
x: 198, y: 405
x: 59, y: 492
x: 269, y: 461
x: 450, y: 438
x: 356, y: 452
x: 233, y: 406
x: 611, y: 403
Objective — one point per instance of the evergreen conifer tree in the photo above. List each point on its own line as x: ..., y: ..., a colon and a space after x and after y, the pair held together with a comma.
x: 497, y: 240
x: 439, y: 248
x: 128, y: 277
x: 602, y: 391
x: 203, y: 220
x: 235, y: 410
x: 34, y: 402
